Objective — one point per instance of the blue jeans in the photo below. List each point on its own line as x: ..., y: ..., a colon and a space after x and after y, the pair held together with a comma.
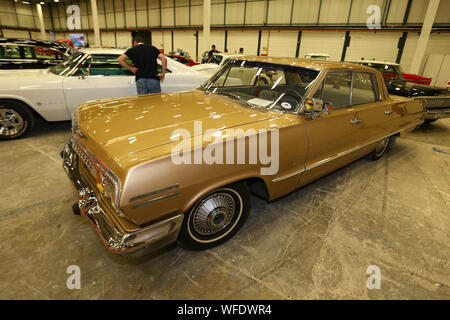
x: 148, y: 85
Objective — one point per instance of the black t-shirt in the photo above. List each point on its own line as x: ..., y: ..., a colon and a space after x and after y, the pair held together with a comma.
x: 144, y: 58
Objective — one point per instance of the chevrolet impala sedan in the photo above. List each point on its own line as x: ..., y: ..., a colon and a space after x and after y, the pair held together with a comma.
x: 180, y: 167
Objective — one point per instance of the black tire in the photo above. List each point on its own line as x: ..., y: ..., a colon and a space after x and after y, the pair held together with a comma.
x: 232, y: 208
x: 429, y: 120
x: 16, y: 120
x: 382, y: 147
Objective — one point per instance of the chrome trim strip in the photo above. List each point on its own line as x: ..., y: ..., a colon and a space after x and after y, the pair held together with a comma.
x: 288, y: 175
x: 154, y: 200
x: 341, y: 154
x: 145, y: 195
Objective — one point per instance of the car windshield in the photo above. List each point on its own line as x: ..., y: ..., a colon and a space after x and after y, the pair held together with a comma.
x: 215, y: 59
x: 264, y: 85
x: 390, y: 72
x: 65, y: 68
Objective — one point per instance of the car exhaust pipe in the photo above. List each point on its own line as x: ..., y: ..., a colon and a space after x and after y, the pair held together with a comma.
x: 76, y: 209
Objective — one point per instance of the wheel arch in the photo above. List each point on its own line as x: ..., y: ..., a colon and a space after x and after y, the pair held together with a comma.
x: 254, y: 184
x: 24, y: 102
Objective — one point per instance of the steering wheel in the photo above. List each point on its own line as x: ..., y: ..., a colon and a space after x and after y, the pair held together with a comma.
x: 292, y: 97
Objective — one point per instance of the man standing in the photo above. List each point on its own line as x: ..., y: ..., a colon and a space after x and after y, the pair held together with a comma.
x: 145, y: 65
x: 212, y: 51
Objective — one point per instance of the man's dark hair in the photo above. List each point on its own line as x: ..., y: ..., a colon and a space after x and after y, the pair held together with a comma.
x: 213, y: 46
x: 138, y: 37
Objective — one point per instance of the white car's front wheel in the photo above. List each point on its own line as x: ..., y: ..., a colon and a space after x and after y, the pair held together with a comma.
x: 15, y: 120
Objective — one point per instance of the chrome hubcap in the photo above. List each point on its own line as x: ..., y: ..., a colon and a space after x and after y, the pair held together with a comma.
x: 11, y: 122
x: 382, y: 146
x: 214, y: 213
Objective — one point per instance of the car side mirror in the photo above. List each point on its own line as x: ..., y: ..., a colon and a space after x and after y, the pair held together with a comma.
x: 312, y: 105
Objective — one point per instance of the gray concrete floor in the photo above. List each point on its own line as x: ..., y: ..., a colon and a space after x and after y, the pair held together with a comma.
x: 315, y: 243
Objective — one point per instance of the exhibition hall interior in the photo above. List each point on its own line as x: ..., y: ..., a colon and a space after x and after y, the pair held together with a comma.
x: 224, y: 149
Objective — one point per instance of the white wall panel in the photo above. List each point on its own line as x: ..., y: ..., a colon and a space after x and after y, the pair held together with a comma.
x: 408, y: 51
x: 185, y: 40
x: 334, y: 11
x: 217, y: 13
x: 305, y: 12
x: 108, y: 39
x: 157, y: 39
x: 279, y: 12
x: 379, y: 45
x: 282, y: 43
x: 243, y: 39
x: 418, y: 10
x: 123, y: 39
x: 443, y: 13
x: 397, y: 11
x: 8, y: 33
x: 255, y: 13
x: 167, y: 17
x: 235, y: 13
x: 217, y: 37
x: 182, y: 16
x: 330, y: 42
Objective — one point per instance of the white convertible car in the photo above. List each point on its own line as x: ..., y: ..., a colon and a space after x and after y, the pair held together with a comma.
x: 214, y: 63
x: 54, y: 93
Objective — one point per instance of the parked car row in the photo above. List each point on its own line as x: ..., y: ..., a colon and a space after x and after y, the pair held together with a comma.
x: 32, y: 54
x: 122, y: 144
x: 437, y: 100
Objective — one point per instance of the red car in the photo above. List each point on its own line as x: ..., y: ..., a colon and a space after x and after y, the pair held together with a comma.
x: 414, y: 78
x: 186, y: 61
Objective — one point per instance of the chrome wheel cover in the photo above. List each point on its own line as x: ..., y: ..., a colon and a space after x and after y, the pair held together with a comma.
x: 213, y: 214
x: 11, y: 122
x: 381, y: 147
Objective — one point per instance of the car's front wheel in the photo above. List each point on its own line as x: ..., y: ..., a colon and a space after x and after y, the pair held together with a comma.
x: 15, y: 120
x: 215, y: 218
x: 381, y: 148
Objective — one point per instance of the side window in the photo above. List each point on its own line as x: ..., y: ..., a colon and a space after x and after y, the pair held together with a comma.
x: 10, y: 51
x: 28, y: 52
x: 335, y: 90
x: 44, y: 53
x: 363, y: 88
x: 159, y: 68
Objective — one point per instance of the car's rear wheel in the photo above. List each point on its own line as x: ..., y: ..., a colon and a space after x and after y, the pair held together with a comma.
x: 215, y: 218
x: 381, y: 148
x: 16, y: 120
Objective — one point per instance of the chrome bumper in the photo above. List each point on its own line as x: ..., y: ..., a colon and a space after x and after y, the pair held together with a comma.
x: 153, y: 237
x: 436, y: 113
x: 436, y: 107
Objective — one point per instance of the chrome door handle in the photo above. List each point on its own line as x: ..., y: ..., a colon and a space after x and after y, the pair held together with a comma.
x: 355, y: 121
x: 388, y: 112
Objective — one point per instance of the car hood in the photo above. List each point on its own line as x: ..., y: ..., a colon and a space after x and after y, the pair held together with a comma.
x: 120, y: 127
x: 408, y: 89
x: 205, y: 66
x: 24, y: 73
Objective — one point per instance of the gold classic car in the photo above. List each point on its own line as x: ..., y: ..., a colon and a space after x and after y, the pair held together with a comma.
x: 180, y: 167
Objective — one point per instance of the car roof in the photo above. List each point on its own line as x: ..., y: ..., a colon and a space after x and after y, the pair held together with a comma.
x: 103, y: 50
x: 375, y: 62
x: 308, y: 63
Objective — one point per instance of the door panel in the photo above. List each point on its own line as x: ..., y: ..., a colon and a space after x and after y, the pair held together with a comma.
x: 332, y: 133
x: 78, y: 90
x: 329, y: 136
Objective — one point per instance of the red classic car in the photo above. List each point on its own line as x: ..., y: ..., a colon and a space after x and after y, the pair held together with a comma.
x: 186, y: 61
